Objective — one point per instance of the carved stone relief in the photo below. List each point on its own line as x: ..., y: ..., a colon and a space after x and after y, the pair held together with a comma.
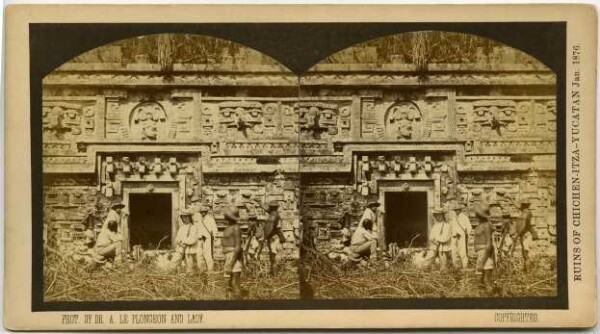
x: 286, y: 118
x: 149, y: 120
x: 68, y: 120
x: 501, y: 118
x: 403, y: 121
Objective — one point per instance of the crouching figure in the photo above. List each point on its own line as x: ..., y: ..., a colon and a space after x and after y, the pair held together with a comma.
x: 109, y: 243
x: 364, y: 241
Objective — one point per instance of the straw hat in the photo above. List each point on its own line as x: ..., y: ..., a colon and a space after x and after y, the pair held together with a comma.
x: 439, y: 211
x: 118, y: 205
x: 458, y: 206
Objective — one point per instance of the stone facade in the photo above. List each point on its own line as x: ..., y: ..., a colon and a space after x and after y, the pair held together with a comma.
x: 334, y: 138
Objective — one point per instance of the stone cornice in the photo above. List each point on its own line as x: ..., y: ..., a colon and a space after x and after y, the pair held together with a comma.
x: 116, y: 79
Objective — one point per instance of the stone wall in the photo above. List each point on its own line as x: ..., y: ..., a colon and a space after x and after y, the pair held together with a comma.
x: 324, y: 142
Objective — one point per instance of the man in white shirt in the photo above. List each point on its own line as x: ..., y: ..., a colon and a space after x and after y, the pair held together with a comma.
x: 370, y: 213
x: 114, y: 215
x: 207, y: 229
x: 187, y: 241
x: 461, y: 229
x: 364, y: 241
x: 439, y: 237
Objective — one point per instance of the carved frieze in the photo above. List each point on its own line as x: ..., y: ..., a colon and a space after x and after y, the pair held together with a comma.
x: 514, y: 146
x: 149, y: 120
x: 320, y: 120
x: 505, y: 117
x: 285, y: 118
x: 67, y: 120
x: 66, y: 160
x: 114, y: 169
x: 275, y: 148
x: 405, y: 120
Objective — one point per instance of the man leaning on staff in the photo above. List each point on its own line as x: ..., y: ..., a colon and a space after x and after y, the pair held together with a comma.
x: 461, y: 229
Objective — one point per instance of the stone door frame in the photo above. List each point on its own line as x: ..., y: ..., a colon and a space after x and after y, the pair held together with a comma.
x: 431, y: 186
x: 174, y: 187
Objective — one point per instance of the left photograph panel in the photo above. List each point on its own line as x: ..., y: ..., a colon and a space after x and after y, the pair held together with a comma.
x: 170, y: 172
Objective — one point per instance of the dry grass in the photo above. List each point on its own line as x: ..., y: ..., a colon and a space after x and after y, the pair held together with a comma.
x: 67, y: 280
x: 400, y: 279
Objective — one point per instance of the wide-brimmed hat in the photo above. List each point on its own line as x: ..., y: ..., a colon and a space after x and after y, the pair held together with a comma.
x: 186, y: 216
x: 482, y: 210
x: 458, y: 206
x: 118, y: 205
x: 373, y: 204
x: 185, y: 212
x: 270, y: 205
x: 438, y: 211
x: 232, y: 213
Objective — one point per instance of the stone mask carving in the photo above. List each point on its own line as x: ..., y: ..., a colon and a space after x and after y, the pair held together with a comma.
x: 146, y: 118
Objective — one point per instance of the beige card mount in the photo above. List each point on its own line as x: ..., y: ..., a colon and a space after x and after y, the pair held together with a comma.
x: 299, y: 167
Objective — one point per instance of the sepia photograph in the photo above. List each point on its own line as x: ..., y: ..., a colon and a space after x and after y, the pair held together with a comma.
x: 445, y: 180
x: 232, y: 167
x: 170, y: 167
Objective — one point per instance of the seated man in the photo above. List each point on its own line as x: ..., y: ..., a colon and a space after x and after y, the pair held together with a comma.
x: 108, y: 244
x: 364, y: 242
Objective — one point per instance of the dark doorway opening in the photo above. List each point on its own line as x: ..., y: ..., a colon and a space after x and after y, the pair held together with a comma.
x: 405, y: 218
x: 150, y: 220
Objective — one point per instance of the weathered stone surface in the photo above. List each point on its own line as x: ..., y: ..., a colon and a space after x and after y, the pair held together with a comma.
x: 232, y: 135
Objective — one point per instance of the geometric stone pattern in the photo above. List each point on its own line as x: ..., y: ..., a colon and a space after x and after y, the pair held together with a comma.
x: 348, y: 137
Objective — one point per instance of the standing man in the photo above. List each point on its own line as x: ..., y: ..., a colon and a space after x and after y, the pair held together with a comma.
x: 272, y: 229
x: 461, y: 229
x: 484, y: 246
x: 255, y: 236
x: 117, y: 214
x: 207, y: 229
x: 439, y: 237
x: 346, y: 222
x: 232, y: 249
x: 370, y: 213
x: 187, y: 240
x: 525, y: 232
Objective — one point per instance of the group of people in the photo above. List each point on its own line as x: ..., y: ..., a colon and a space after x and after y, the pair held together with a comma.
x: 449, y: 237
x: 195, y: 238
x: 194, y: 241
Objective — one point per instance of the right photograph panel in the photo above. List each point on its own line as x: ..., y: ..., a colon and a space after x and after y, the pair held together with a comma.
x: 436, y: 173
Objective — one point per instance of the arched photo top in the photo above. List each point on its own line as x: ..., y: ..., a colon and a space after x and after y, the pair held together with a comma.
x: 168, y: 53
x: 429, y: 51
